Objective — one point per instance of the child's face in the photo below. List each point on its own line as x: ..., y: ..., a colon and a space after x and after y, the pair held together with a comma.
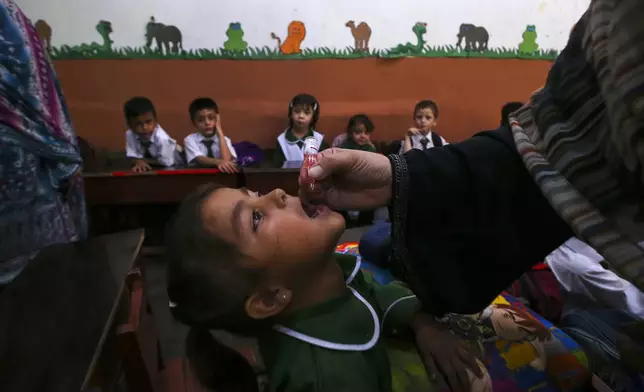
x: 206, y: 121
x: 143, y: 126
x: 425, y: 120
x: 360, y: 135
x: 302, y: 116
x: 274, y: 233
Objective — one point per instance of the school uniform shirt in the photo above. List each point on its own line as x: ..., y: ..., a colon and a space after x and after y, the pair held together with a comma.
x: 195, y: 147
x: 338, y: 345
x: 290, y: 148
x: 422, y: 142
x: 350, y: 144
x: 587, y: 284
x: 467, y: 221
x: 161, y: 147
x: 339, y: 140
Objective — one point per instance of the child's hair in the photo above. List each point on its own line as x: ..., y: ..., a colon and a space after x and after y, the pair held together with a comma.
x: 304, y: 100
x: 205, y: 281
x: 207, y: 289
x: 427, y: 104
x: 508, y: 109
x: 137, y: 106
x: 200, y: 104
x: 360, y: 119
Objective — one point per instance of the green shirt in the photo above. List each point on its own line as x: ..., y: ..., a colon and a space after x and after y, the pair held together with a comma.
x: 351, y: 144
x: 341, y: 346
x: 278, y: 156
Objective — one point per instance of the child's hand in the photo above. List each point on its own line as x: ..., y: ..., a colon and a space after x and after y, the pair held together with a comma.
x: 218, y: 127
x: 228, y: 167
x: 412, y: 132
x: 141, y: 166
x: 444, y: 352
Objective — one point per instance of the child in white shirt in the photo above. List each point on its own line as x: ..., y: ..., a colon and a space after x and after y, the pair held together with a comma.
x: 303, y: 114
x: 208, y: 146
x: 146, y: 143
x: 421, y: 136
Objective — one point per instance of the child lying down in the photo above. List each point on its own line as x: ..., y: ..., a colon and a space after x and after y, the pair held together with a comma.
x: 265, y: 267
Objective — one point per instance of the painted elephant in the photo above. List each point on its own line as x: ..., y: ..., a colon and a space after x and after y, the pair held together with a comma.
x: 164, y: 35
x: 476, y: 37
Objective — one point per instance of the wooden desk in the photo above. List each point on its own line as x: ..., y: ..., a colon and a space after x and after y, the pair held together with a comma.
x: 155, y: 187
x: 266, y: 179
x: 56, y: 315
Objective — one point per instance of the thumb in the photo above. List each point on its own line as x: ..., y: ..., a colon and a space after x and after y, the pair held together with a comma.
x: 331, y: 161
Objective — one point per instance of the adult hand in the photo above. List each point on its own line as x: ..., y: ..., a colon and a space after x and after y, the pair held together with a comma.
x: 413, y: 131
x: 443, y: 352
x: 348, y: 179
x: 228, y: 167
x: 141, y: 166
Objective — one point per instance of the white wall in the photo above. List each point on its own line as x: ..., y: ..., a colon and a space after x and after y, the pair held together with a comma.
x: 204, y: 22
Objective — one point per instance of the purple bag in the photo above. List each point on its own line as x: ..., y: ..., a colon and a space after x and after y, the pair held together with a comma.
x: 248, y: 153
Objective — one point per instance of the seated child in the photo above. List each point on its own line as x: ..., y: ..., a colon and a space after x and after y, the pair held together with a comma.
x: 264, y: 266
x: 359, y: 132
x: 208, y: 146
x: 422, y: 135
x: 146, y: 143
x: 303, y: 114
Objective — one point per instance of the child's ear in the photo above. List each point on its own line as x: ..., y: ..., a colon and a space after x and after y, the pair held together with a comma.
x: 268, y: 302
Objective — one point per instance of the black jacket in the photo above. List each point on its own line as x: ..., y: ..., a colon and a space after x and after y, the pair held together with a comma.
x: 468, y: 220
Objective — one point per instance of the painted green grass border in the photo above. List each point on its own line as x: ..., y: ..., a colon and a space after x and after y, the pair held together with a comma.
x: 87, y: 52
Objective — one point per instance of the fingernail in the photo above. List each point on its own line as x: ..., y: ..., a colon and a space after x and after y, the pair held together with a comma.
x: 316, y: 172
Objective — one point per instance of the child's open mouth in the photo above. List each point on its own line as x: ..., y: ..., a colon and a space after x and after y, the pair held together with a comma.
x: 313, y: 211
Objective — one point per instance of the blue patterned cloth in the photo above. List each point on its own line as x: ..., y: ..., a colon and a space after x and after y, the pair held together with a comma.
x: 41, y: 192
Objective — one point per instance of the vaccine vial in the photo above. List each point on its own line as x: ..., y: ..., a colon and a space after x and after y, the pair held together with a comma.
x: 311, y: 148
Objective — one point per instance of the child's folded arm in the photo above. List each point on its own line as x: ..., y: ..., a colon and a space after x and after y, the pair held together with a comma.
x: 208, y: 162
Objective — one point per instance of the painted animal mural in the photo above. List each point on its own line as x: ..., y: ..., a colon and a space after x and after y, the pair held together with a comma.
x: 235, y: 41
x: 529, y: 44
x: 476, y: 37
x: 44, y: 32
x: 361, y: 35
x: 419, y: 30
x: 293, y: 42
x: 165, y: 36
x: 104, y: 29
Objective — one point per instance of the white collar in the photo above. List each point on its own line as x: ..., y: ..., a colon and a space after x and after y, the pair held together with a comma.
x: 339, y: 346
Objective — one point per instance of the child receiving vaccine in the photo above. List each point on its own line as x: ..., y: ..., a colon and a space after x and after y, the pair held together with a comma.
x: 422, y: 135
x: 208, y: 146
x: 303, y: 115
x: 358, y: 135
x: 146, y: 143
x: 264, y: 266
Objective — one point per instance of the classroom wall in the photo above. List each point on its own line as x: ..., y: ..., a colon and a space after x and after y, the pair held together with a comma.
x: 253, y: 95
x: 249, y: 28
x: 226, y: 50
